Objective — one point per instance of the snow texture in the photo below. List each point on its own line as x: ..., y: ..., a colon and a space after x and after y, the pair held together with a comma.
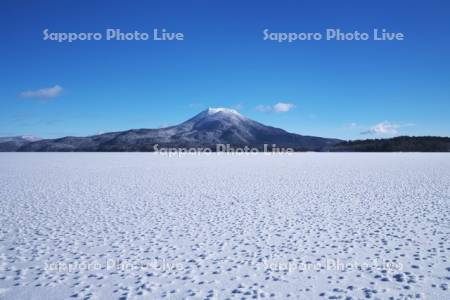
x: 149, y: 226
x: 229, y: 111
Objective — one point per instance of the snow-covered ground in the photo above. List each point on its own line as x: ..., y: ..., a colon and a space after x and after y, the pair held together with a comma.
x: 300, y: 226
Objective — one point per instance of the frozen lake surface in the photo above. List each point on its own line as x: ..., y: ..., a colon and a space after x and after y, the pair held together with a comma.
x: 148, y: 226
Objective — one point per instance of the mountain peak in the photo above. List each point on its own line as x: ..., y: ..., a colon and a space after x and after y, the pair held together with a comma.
x: 213, y: 110
x: 209, y: 128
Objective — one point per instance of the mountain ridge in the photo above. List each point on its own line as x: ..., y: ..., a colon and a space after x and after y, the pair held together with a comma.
x: 207, y: 129
x: 213, y: 127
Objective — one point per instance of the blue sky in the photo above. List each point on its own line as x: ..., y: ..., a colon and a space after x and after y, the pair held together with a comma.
x: 342, y: 89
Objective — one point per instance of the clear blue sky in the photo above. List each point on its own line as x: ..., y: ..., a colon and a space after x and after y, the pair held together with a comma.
x: 338, y: 89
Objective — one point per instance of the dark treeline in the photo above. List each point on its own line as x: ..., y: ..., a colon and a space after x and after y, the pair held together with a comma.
x: 397, y: 144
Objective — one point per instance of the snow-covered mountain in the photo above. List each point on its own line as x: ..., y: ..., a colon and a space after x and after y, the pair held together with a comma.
x: 207, y: 129
x: 15, y: 142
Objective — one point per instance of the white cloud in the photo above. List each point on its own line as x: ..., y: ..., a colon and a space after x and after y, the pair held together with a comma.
x: 278, y: 107
x: 283, y: 107
x: 50, y: 92
x: 386, y: 128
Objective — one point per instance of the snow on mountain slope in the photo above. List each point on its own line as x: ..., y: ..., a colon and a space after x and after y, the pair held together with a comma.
x: 23, y: 138
x: 14, y: 143
x: 207, y: 129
